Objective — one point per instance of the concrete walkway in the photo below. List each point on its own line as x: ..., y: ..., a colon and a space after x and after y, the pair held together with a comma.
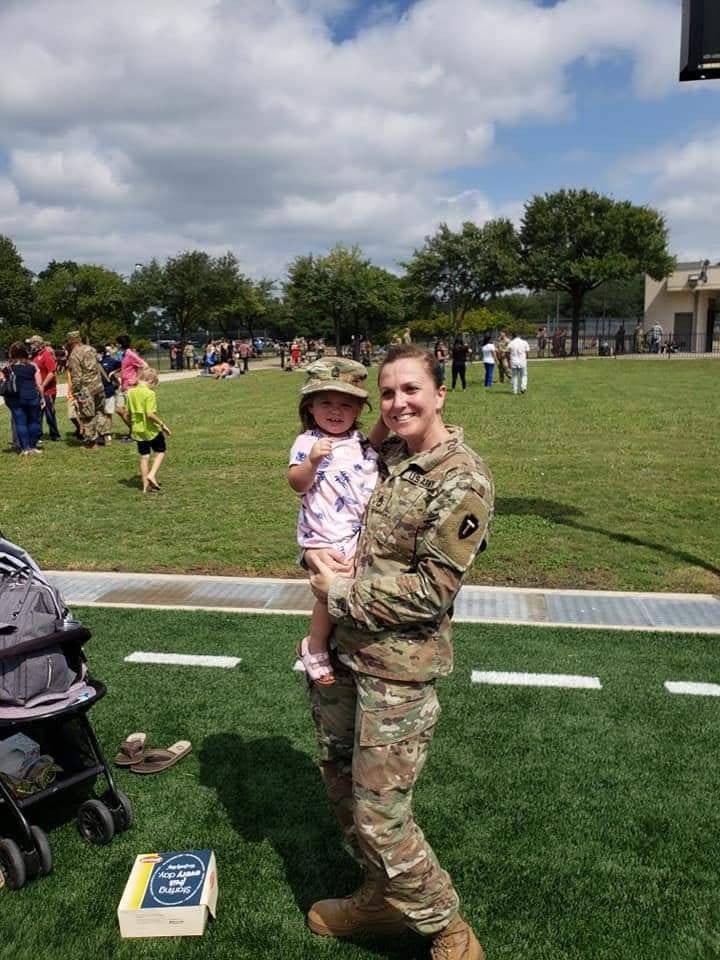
x: 683, y: 613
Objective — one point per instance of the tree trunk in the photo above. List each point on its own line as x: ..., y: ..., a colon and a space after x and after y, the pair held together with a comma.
x: 577, y: 299
x: 457, y: 320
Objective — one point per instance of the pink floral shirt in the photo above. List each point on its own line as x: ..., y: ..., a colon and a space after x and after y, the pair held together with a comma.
x: 332, y: 510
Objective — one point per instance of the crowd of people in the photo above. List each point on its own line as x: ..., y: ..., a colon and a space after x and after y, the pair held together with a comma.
x: 226, y: 358
x: 101, y: 382
x: 508, y: 356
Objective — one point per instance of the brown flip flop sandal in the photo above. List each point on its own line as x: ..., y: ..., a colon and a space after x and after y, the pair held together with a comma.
x: 155, y: 760
x: 131, y: 750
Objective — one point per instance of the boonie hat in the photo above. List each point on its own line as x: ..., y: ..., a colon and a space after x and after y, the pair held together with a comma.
x: 35, y: 341
x: 74, y: 335
x: 336, y: 373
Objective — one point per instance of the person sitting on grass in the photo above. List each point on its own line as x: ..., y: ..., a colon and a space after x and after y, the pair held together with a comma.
x: 148, y: 430
x: 335, y: 469
x: 224, y: 371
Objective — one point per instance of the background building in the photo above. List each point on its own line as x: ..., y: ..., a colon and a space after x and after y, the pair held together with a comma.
x: 687, y: 306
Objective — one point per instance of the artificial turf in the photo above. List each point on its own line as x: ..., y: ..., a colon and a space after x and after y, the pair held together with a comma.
x: 576, y: 824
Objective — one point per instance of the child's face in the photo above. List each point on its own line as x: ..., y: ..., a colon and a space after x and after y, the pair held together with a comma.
x: 334, y: 412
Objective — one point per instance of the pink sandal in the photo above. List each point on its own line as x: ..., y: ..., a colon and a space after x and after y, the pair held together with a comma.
x: 317, y: 665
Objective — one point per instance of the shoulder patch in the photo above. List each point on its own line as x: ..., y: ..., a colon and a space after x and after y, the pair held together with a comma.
x: 468, y: 525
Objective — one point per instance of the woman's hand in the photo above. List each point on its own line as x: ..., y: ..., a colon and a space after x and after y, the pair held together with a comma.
x: 331, y: 560
x: 320, y: 582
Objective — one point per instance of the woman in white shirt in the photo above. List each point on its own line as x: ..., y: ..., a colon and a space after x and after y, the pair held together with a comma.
x: 489, y: 355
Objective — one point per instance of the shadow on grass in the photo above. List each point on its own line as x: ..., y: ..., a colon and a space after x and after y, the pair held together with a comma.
x: 134, y: 482
x: 567, y: 515
x: 273, y: 792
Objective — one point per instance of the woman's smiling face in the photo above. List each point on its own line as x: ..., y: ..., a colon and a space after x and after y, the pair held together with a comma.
x: 410, y: 403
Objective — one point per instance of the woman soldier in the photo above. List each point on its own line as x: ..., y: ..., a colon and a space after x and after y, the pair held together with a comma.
x: 425, y: 523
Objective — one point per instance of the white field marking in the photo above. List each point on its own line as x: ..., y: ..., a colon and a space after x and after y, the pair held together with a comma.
x: 693, y: 689
x: 183, y: 659
x: 536, y: 680
x: 298, y: 665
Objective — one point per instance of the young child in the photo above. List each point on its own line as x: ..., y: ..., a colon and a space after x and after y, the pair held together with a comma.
x: 148, y: 430
x: 335, y: 469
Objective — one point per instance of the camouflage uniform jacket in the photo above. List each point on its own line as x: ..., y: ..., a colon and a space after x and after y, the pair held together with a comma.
x: 503, y: 345
x: 84, y: 368
x: 425, y: 523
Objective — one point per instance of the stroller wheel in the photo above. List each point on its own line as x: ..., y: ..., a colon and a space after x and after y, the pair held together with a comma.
x: 12, y: 864
x: 120, y: 808
x: 44, y: 855
x: 95, y: 822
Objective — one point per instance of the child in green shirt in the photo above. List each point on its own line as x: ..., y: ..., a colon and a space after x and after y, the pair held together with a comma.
x: 147, y: 429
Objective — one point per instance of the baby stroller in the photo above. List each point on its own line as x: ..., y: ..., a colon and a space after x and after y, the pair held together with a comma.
x: 45, y: 696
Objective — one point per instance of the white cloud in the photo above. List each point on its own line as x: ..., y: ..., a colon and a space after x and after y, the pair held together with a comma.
x: 59, y: 177
x: 682, y: 181
x: 140, y: 129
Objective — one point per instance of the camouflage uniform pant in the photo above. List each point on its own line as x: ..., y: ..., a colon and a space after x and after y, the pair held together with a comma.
x: 90, y: 405
x: 504, y: 367
x: 374, y: 736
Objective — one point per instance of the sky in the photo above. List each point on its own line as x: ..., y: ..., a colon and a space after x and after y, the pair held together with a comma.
x: 142, y: 128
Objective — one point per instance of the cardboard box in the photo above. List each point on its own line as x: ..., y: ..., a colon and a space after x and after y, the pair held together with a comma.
x: 169, y: 895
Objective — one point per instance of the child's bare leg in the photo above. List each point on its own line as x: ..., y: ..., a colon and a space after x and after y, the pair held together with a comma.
x: 144, y: 468
x: 152, y: 475
x: 314, y: 648
x: 320, y: 628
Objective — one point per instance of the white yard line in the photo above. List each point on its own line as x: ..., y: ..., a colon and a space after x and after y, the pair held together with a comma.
x: 498, y: 678
x: 183, y: 659
x: 693, y: 689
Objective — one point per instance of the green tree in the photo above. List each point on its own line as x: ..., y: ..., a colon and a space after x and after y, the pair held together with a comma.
x: 574, y: 240
x: 70, y: 265
x: 617, y: 298
x: 460, y: 270
x: 344, y: 292
x: 15, y: 332
x: 252, y: 305
x: 188, y: 292
x: 16, y: 287
x: 91, y: 298
x: 146, y: 290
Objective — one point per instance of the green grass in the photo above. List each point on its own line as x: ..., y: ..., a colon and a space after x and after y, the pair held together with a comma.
x: 577, y: 825
x: 606, y: 477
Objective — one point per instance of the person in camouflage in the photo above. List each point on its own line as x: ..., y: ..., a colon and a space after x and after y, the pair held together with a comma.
x: 503, y: 352
x: 426, y: 521
x: 87, y: 387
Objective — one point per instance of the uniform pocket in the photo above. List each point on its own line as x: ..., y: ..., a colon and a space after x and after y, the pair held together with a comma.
x: 393, y: 743
x: 395, y: 527
x: 403, y: 721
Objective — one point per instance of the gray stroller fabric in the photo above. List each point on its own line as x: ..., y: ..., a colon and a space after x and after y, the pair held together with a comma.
x: 30, y: 610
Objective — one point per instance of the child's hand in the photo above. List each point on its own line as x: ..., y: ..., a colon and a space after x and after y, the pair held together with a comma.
x: 319, y: 450
x: 166, y: 430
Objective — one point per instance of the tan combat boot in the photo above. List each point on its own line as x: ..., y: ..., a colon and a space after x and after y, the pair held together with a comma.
x: 364, y: 911
x: 456, y: 942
